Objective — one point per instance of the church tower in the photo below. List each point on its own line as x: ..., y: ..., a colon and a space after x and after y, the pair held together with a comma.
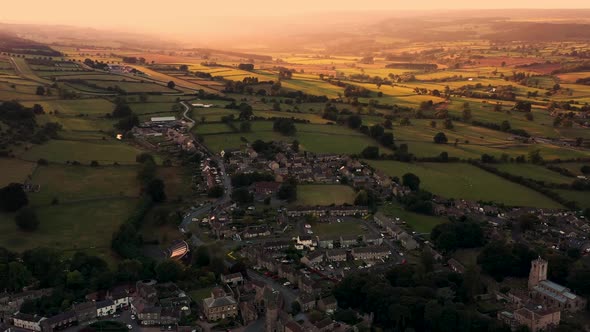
x: 538, y: 272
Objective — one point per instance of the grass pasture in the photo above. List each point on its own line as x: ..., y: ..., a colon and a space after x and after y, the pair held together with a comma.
x: 418, y: 222
x: 60, y: 151
x: 538, y: 173
x: 85, y: 226
x: 452, y: 180
x: 75, y: 183
x: 14, y: 170
x: 333, y: 229
x: 320, y: 194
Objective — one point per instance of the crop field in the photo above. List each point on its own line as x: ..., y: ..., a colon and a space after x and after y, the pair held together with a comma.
x: 164, y: 78
x: 573, y: 77
x: 75, y: 183
x: 574, y: 167
x: 133, y: 87
x: 465, y: 181
x: 84, y: 226
x: 14, y: 170
x: 418, y: 222
x: 534, y: 172
x: 60, y: 151
x: 580, y: 197
x: 309, y: 194
x: 212, y: 114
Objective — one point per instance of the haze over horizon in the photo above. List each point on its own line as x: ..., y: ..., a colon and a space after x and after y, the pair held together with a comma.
x: 186, y: 17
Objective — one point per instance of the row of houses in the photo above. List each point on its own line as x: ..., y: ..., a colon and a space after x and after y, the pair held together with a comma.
x: 323, y: 211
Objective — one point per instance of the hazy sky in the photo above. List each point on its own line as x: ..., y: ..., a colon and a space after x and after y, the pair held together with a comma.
x: 182, y: 15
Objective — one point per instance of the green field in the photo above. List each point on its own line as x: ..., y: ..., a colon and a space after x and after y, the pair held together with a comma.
x: 312, y: 137
x: 534, y: 172
x: 93, y: 106
x: 457, y: 180
x: 84, y: 226
x: 61, y: 151
x: 580, y: 197
x: 73, y: 183
x: 320, y: 194
x: 418, y: 222
x: 344, y: 228
x: 14, y: 170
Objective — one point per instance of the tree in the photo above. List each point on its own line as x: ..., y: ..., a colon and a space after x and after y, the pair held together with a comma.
x: 585, y: 169
x: 411, y: 181
x: 74, y: 279
x: 295, y: 308
x: 535, y: 157
x: 355, y: 121
x: 127, y: 123
x: 370, y: 152
x: 13, y: 197
x: 505, y: 125
x: 440, y: 138
x: 168, y: 271
x: 388, y: 124
x: 27, y: 220
x: 40, y: 91
x: 288, y: 190
x: 215, y: 192
x: 387, y: 139
x: 121, y: 110
x: 18, y: 277
x: 155, y: 190
x: 242, y: 195
x: 285, y: 126
x: 295, y: 146
x: 183, y: 68
x: 245, y: 126
x: 171, y: 85
x: 376, y: 131
x: 467, y: 114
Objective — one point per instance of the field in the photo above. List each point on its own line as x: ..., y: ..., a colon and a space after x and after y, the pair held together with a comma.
x: 312, y: 137
x: 14, y: 170
x: 60, y: 151
x: 344, y: 228
x: 534, y: 172
x: 86, y: 226
x: 418, y: 222
x: 79, y: 183
x: 467, y: 182
x: 309, y: 194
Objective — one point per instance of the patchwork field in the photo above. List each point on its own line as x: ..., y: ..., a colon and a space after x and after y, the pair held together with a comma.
x: 60, y: 151
x: 309, y: 194
x: 534, y: 172
x: 334, y: 229
x: 418, y: 222
x: 465, y: 181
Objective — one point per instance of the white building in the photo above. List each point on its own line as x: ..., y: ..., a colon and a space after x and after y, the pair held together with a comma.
x: 105, y: 308
x: 28, y: 322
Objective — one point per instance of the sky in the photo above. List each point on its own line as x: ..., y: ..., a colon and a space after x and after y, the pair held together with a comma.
x: 186, y: 16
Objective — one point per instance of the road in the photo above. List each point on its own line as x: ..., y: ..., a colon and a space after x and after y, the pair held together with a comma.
x: 289, y: 295
x: 185, y: 114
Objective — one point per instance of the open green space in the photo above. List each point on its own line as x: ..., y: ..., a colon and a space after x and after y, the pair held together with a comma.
x: 418, y: 222
x: 333, y: 229
x: 580, y: 197
x: 84, y: 226
x: 534, y: 172
x: 321, y: 194
x: 74, y: 183
x: 460, y: 180
x: 61, y: 151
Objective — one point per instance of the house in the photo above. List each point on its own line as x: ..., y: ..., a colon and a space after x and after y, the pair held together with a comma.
x: 28, y: 322
x: 287, y: 271
x: 537, y: 318
x: 121, y: 298
x: 328, y: 304
x: 456, y: 266
x: 327, y: 242
x: 370, y: 253
x: 219, y: 305
x: 373, y: 239
x: 255, y: 231
x: 105, y: 308
x: 59, y: 322
x: 313, y: 258
x: 233, y: 279
x: 265, y: 189
x: 305, y: 241
x: 408, y: 241
x: 85, y: 312
x: 336, y: 255
x: 306, y: 301
x: 324, y: 325
x: 348, y: 240
x: 293, y: 326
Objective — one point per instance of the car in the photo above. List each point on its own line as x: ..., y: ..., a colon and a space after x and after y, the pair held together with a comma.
x: 287, y: 283
x: 129, y: 327
x: 307, y: 226
x: 116, y: 315
x: 133, y: 317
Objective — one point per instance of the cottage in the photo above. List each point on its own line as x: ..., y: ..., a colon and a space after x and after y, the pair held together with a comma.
x: 373, y: 239
x: 59, y: 322
x: 85, y: 312
x: 255, y: 231
x: 28, y: 322
x: 336, y: 255
x: 219, y: 305
x: 105, y: 308
x: 349, y: 240
x: 371, y: 253
x: 313, y: 258
x: 233, y: 279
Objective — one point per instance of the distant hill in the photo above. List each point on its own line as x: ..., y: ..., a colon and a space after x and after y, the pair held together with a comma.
x: 10, y: 43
